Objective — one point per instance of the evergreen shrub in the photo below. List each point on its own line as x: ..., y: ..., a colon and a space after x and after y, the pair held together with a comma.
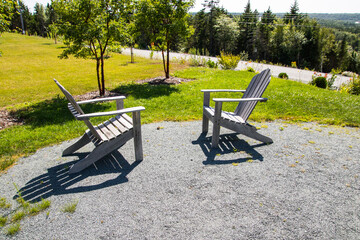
x: 283, y: 75
x: 319, y: 82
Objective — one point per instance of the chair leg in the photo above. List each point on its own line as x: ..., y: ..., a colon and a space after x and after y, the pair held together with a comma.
x: 137, y: 137
x: 260, y: 137
x: 216, y: 125
x: 79, y: 144
x: 252, y: 133
x: 100, y: 151
x: 95, y: 155
x: 205, y: 124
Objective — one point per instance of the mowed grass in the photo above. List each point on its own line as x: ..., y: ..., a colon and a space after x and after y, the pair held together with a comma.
x: 29, y: 65
x: 49, y: 122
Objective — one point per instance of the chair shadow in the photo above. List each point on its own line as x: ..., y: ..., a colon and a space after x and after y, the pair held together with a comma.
x: 228, y: 143
x: 58, y: 181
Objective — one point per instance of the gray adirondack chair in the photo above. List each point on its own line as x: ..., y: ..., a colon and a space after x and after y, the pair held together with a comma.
x: 236, y: 120
x: 107, y: 136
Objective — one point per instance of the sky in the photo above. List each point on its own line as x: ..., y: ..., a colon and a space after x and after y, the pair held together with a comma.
x: 276, y: 6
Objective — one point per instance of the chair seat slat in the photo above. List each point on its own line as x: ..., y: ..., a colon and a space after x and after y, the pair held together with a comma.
x: 112, y: 128
x: 127, y: 118
x: 109, y: 135
x: 122, y: 119
x: 225, y: 115
x: 118, y: 124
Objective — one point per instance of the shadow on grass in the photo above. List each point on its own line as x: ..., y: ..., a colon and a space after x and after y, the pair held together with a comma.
x: 58, y: 181
x: 228, y: 143
x: 55, y: 111
x: 146, y: 91
x: 52, y: 111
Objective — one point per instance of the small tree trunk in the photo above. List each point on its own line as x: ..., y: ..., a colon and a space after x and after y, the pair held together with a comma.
x: 167, y: 61
x: 163, y: 57
x: 132, y: 54
x: 98, y: 74
x: 102, y: 93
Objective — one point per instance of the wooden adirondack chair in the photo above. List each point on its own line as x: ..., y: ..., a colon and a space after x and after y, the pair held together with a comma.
x: 107, y: 136
x: 236, y: 120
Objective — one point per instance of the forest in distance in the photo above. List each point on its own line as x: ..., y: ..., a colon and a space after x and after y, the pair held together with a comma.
x: 320, y: 42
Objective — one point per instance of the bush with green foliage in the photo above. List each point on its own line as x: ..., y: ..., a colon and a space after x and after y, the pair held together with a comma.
x: 197, y: 61
x: 319, y: 82
x: 250, y: 69
x: 211, y: 64
x: 331, y: 80
x: 283, y: 75
x: 352, y: 87
x: 228, y: 61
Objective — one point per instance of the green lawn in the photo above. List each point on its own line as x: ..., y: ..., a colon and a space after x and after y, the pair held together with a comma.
x: 29, y: 65
x: 49, y: 122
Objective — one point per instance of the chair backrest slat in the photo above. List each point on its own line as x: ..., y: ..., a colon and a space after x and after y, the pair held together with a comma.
x: 255, y: 89
x: 70, y: 98
x: 77, y: 109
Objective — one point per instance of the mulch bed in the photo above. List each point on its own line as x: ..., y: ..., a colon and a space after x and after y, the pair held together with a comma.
x: 165, y: 81
x: 7, y: 120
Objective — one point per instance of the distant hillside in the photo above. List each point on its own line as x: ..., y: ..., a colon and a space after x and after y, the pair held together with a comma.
x: 345, y: 17
x: 349, y: 22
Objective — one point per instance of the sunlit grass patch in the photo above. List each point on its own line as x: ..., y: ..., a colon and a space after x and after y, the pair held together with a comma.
x: 70, y: 207
x: 20, y: 214
x: 12, y: 229
x: 3, y: 220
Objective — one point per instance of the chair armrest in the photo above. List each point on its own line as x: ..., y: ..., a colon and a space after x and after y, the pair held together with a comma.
x: 102, y: 99
x: 239, y: 99
x: 222, y: 90
x: 117, y: 112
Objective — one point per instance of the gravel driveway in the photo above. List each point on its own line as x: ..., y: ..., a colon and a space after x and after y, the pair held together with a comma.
x: 303, y: 186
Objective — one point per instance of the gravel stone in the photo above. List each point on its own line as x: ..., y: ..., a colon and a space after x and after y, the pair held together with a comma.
x: 303, y: 186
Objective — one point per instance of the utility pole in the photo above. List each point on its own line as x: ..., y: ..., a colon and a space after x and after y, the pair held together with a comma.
x: 21, y: 18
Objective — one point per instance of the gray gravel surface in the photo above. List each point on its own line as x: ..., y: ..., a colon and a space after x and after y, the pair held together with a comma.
x: 303, y: 186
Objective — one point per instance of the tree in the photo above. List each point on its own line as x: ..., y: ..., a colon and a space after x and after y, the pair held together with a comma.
x: 294, y: 16
x: 89, y: 27
x: 213, y: 6
x: 132, y: 31
x: 328, y: 50
x: 293, y: 42
x: 51, y: 22
x: 205, y: 39
x: 6, y: 12
x: 39, y: 20
x: 21, y: 19
x: 167, y: 23
x: 247, y: 24
x: 311, y: 52
x: 262, y: 34
x: 276, y: 42
x: 227, y: 32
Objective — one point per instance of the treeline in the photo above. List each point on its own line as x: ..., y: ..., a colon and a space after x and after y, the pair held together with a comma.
x: 37, y: 23
x: 293, y: 39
